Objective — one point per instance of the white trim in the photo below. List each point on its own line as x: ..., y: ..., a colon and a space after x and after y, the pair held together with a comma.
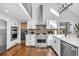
x: 24, y: 10
x: 54, y: 12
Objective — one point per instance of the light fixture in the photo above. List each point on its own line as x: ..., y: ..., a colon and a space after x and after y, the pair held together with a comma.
x: 63, y: 7
x: 54, y: 12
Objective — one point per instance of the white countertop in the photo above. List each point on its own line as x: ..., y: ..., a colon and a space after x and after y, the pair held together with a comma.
x: 71, y: 39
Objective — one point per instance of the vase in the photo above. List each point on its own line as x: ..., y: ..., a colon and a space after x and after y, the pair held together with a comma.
x: 77, y: 33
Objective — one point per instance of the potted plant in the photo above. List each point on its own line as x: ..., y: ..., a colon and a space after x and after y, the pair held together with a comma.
x: 77, y: 29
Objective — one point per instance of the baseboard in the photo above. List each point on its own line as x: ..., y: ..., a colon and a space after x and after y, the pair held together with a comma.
x: 12, y: 47
x: 30, y: 46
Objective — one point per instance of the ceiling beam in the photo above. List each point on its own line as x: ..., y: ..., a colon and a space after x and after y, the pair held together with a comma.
x: 25, y: 10
x: 65, y: 8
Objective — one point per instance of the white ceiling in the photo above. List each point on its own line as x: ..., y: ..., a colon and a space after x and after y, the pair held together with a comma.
x: 75, y: 9
x: 17, y: 13
x: 13, y: 10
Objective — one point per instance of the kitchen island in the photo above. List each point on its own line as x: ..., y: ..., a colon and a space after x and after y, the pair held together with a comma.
x: 72, y: 43
x: 55, y: 42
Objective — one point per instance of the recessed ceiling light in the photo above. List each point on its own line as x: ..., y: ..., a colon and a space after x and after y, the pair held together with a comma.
x: 6, y: 11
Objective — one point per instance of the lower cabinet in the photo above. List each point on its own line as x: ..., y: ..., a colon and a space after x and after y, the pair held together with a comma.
x: 30, y: 40
x: 49, y: 39
x: 56, y: 45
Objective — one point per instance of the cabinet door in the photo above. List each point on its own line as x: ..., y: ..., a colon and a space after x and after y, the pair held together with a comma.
x: 51, y: 24
x: 49, y: 40
x: 47, y: 25
x: 33, y: 26
x: 23, y: 25
x: 57, y: 45
x: 27, y: 40
x: 32, y: 41
x: 54, y: 43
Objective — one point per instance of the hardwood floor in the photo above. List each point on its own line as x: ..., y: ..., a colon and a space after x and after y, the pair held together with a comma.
x: 22, y: 50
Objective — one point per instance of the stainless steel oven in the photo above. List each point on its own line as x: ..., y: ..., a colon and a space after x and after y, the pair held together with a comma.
x: 41, y: 41
x: 14, y: 33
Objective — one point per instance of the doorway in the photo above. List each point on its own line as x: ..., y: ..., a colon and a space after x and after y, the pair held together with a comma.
x: 3, y: 36
x: 23, y: 32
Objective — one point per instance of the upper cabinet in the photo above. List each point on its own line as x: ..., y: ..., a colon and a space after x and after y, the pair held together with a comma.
x: 23, y: 25
x: 31, y: 25
x: 51, y: 24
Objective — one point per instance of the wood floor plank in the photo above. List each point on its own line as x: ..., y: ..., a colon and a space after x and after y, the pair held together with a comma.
x: 22, y: 50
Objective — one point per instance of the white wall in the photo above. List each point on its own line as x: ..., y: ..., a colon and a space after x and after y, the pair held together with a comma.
x: 35, y: 16
x: 10, y: 43
x: 10, y: 22
x: 47, y: 15
x: 46, y: 12
x: 68, y: 16
x: 35, y: 12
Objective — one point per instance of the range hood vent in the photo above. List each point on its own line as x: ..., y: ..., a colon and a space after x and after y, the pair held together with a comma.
x: 40, y: 21
x: 41, y: 27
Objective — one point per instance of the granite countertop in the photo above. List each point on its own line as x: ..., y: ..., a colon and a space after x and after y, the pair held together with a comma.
x: 71, y: 39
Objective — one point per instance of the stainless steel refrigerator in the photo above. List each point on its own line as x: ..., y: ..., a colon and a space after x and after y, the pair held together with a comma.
x: 3, y: 36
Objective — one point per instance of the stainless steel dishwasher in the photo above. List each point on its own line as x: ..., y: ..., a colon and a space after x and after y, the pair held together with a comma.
x: 68, y: 49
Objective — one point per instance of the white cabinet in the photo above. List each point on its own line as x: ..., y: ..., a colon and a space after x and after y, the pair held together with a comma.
x: 49, y: 39
x: 30, y: 40
x: 47, y: 25
x: 31, y: 25
x: 51, y: 24
x: 28, y: 25
x: 56, y: 45
x: 54, y: 42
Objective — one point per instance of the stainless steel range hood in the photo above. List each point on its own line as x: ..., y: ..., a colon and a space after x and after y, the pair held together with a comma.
x: 41, y: 27
x: 41, y: 14
x: 40, y: 20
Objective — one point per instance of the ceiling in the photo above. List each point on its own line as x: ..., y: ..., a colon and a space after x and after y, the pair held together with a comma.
x: 28, y: 7
x: 13, y: 10
x: 75, y: 9
x: 16, y: 12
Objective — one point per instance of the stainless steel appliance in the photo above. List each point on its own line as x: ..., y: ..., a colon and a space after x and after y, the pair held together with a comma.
x: 41, y: 41
x: 68, y: 49
x: 14, y: 32
x: 3, y: 36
